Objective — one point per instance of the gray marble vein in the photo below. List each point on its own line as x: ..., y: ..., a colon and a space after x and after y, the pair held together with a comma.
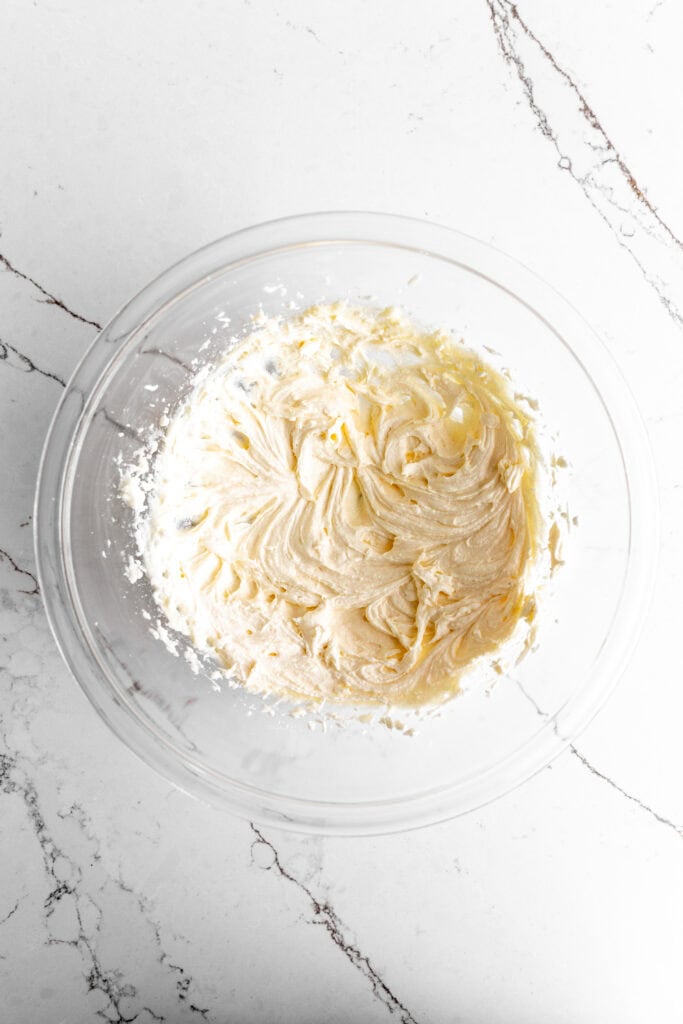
x: 73, y: 916
x: 574, y: 750
x: 11, y: 355
x: 588, y: 155
x: 70, y: 918
x: 325, y: 916
x: 30, y: 576
x: 678, y: 829
x: 48, y: 297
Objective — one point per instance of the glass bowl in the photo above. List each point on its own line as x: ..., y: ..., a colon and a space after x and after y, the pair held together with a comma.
x: 218, y: 745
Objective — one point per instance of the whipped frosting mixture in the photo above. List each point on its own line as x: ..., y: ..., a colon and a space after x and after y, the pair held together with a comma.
x: 345, y: 508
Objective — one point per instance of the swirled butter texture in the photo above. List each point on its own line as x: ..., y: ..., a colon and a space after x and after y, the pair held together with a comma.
x: 345, y: 508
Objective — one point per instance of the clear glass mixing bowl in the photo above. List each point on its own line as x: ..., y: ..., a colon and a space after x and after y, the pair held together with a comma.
x: 275, y: 768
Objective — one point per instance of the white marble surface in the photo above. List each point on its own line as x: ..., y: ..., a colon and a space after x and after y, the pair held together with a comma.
x: 131, y: 134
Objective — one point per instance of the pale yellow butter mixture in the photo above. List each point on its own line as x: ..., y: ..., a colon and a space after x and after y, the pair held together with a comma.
x: 345, y: 508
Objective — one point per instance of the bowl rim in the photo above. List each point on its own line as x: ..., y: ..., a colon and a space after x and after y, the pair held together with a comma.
x: 558, y: 730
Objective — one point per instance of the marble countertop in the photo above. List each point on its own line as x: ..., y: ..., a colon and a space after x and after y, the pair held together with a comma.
x: 132, y: 133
